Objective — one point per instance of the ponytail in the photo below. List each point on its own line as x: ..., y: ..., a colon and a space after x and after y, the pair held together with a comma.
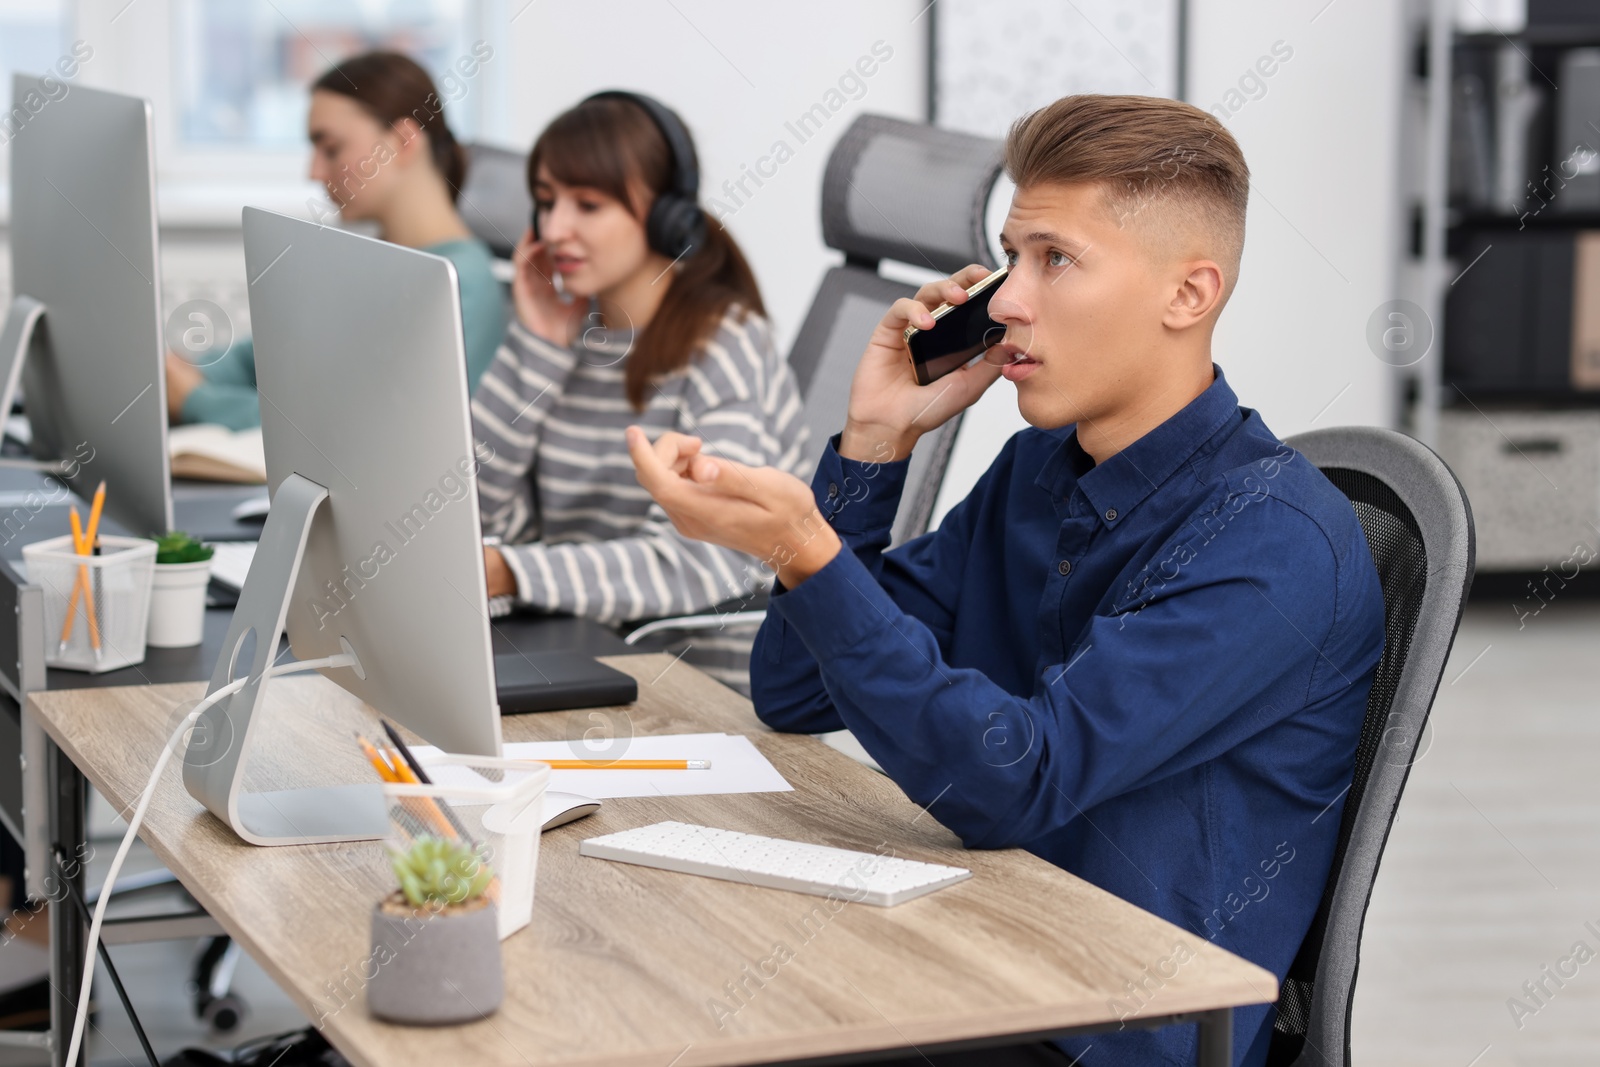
x: 705, y: 285
x: 449, y: 157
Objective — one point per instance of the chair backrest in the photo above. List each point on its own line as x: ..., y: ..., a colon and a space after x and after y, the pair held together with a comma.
x: 494, y: 201
x: 1418, y: 525
x: 907, y: 192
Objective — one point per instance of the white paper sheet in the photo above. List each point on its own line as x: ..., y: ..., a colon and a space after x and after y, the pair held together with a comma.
x: 737, y: 766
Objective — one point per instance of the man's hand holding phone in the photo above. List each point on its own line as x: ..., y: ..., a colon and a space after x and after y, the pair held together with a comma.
x: 772, y: 515
x: 888, y: 410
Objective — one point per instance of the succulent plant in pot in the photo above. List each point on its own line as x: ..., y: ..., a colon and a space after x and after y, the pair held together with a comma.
x: 436, y: 939
x: 178, y: 591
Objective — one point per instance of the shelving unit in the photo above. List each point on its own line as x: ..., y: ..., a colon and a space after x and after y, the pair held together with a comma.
x: 1506, y: 396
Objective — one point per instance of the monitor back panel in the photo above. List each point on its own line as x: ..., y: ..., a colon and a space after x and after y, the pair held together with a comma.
x: 83, y: 243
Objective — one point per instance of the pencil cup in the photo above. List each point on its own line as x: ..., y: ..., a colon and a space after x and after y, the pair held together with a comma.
x: 497, y: 804
x: 107, y: 597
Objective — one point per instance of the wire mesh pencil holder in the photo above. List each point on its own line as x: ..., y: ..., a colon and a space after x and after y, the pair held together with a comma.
x: 107, y: 597
x: 497, y: 804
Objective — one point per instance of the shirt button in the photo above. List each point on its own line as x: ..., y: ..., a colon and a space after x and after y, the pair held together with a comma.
x: 833, y: 490
x: 1111, y: 514
x: 1064, y: 567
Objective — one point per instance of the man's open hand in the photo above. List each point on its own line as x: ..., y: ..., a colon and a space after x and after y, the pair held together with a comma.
x: 760, y: 511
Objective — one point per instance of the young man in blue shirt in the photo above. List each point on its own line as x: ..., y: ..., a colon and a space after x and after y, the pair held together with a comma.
x: 1141, y: 647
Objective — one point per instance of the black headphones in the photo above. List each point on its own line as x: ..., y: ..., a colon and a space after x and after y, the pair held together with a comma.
x: 676, y: 226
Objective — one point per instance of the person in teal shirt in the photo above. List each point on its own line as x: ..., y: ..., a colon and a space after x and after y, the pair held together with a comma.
x: 381, y: 148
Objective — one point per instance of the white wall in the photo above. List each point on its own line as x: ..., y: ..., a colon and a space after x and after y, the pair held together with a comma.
x: 1325, y: 228
x: 736, y: 73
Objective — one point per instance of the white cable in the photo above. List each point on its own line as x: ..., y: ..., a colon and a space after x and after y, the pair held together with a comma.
x: 340, y: 660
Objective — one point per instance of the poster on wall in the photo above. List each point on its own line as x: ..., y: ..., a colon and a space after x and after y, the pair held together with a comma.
x: 994, y: 60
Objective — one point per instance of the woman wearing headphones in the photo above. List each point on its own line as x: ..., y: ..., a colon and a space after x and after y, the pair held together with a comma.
x: 382, y: 150
x: 632, y: 307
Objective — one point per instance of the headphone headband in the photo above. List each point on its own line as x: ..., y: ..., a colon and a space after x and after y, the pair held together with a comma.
x: 676, y: 226
x: 685, y: 167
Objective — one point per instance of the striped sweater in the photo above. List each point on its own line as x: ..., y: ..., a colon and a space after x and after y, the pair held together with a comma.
x: 580, y: 534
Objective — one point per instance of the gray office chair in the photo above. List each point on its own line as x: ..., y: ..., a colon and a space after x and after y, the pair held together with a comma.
x: 893, y: 190
x: 901, y: 191
x: 1418, y: 524
x: 494, y: 200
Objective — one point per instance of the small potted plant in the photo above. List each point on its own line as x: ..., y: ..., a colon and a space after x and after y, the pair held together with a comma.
x: 436, y: 939
x: 178, y: 591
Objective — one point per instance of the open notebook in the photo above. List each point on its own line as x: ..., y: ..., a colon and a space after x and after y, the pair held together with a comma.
x: 217, y: 454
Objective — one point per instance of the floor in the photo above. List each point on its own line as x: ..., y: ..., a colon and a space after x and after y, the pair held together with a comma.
x: 1492, y: 875
x: 156, y: 976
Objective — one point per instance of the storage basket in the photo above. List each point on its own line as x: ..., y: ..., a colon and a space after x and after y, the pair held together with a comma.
x: 119, y: 599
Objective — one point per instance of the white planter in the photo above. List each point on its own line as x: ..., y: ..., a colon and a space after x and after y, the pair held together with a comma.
x: 178, y: 604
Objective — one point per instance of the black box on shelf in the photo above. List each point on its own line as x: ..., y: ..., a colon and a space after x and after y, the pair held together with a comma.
x: 1543, y: 14
x: 1509, y: 316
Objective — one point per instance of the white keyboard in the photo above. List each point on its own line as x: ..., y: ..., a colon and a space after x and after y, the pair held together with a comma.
x: 230, y: 562
x: 865, y: 877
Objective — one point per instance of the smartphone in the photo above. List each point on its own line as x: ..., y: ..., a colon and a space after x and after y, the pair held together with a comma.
x: 960, y: 333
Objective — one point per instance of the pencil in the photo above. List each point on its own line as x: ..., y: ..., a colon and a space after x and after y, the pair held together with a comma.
x: 79, y: 584
x: 92, y: 542
x: 92, y: 591
x: 379, y: 764
x: 431, y: 807
x: 420, y: 776
x: 413, y: 822
x: 625, y: 764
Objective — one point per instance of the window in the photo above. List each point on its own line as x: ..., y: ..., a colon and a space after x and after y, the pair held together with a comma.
x: 33, y: 35
x: 241, y: 67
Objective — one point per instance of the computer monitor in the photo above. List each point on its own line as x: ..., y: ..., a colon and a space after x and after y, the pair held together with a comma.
x: 373, y: 543
x: 84, y: 327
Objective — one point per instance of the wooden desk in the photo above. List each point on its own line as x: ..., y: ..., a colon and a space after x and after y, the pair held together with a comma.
x: 627, y: 965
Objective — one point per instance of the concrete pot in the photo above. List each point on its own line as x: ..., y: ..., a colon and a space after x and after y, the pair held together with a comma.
x: 434, y: 968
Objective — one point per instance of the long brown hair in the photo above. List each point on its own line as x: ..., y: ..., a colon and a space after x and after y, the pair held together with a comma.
x: 613, y: 146
x: 392, y: 87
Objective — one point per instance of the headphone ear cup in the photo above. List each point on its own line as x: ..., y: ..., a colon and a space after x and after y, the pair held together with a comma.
x: 675, y: 225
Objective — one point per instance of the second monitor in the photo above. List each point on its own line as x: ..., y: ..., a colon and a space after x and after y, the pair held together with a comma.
x: 372, y: 546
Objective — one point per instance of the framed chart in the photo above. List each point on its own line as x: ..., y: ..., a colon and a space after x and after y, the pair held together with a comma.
x: 992, y: 60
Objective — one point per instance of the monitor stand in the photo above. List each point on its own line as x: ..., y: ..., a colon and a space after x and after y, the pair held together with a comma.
x: 214, y: 762
x: 16, y: 337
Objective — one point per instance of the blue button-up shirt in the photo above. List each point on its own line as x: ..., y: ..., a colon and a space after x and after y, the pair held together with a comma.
x: 1151, y: 672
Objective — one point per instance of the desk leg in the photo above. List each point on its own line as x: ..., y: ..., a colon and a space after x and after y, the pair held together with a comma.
x: 1216, y: 1038
x: 68, y: 938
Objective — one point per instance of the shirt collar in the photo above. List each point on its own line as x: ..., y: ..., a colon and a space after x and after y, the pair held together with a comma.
x: 1114, y: 488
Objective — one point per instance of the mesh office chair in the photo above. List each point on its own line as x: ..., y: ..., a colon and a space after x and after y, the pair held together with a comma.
x: 892, y: 190
x: 902, y: 191
x: 494, y: 201
x: 1418, y: 524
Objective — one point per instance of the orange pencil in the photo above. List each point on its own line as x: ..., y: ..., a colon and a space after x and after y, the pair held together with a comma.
x: 625, y: 764
x: 405, y: 774
x: 379, y: 764
x: 95, y: 508
x: 80, y: 585
x: 90, y: 541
